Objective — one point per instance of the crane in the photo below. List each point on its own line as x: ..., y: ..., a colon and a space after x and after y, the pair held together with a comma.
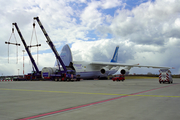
x: 27, y: 50
x: 62, y: 73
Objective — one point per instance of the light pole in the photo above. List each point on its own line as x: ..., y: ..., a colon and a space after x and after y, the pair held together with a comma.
x: 18, y: 73
x: 23, y: 61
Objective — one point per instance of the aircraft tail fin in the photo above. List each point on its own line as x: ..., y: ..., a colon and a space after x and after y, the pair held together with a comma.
x: 115, y: 56
x: 65, y: 55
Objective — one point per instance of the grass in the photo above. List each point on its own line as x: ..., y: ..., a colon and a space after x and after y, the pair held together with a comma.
x: 141, y: 77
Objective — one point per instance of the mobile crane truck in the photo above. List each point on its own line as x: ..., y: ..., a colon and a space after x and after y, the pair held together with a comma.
x: 36, y: 74
x: 57, y: 75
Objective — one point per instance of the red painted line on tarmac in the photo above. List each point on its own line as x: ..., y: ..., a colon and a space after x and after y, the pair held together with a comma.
x: 152, y: 89
x: 81, y: 106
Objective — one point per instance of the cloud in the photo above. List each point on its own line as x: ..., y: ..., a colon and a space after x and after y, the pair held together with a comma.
x: 90, y: 16
x: 148, y: 33
x: 148, y: 23
x: 106, y: 4
x: 101, y: 50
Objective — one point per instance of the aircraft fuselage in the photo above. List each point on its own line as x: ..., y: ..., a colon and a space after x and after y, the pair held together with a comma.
x: 86, y: 70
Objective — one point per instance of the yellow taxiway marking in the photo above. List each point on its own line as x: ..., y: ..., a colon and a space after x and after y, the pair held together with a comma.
x: 88, y: 93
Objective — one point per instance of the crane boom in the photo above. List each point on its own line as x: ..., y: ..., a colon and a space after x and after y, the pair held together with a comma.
x: 26, y: 47
x: 50, y: 43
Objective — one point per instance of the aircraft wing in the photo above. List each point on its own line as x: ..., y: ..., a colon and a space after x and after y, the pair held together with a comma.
x: 159, y: 67
x: 103, y: 64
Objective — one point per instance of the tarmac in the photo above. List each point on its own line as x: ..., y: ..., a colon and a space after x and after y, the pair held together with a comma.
x: 133, y: 99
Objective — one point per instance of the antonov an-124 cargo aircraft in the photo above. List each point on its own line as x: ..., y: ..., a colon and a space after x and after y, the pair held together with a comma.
x: 90, y: 70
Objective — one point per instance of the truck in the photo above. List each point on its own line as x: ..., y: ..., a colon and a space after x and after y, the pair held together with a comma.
x: 165, y: 76
x: 60, y: 74
x: 119, y: 78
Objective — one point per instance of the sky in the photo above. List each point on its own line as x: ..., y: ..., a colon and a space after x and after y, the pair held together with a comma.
x: 146, y: 31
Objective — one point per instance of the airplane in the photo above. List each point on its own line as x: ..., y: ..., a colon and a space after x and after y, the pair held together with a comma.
x: 94, y: 70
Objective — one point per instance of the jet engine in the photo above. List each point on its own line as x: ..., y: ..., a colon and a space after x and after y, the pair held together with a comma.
x: 104, y: 69
x: 124, y: 71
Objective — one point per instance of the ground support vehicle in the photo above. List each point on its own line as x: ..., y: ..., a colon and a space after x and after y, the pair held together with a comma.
x: 55, y: 76
x: 5, y: 79
x: 165, y: 76
x: 118, y: 78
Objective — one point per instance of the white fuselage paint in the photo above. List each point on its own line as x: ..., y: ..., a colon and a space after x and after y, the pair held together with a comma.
x: 86, y: 70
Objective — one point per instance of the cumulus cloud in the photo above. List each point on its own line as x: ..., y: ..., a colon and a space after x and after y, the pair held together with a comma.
x: 105, y: 4
x: 148, y: 23
x: 147, y: 34
x: 91, y: 17
x: 101, y: 50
